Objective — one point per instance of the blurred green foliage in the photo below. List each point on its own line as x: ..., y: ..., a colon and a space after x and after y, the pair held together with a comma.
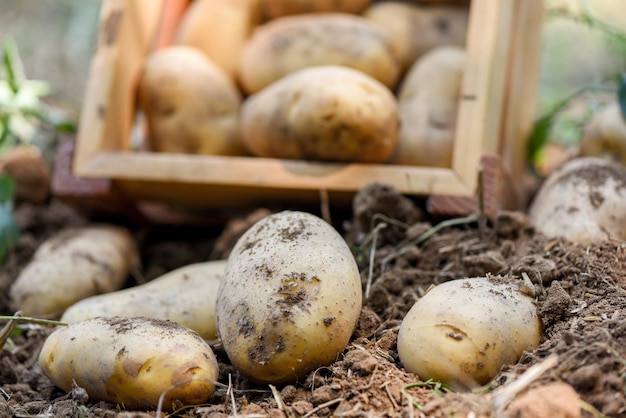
x: 9, y: 230
x: 25, y: 117
x: 567, y: 103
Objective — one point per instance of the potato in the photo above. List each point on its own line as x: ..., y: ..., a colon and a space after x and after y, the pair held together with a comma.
x: 428, y: 107
x: 191, y: 105
x: 459, y: 2
x: 605, y: 135
x: 30, y: 171
x: 219, y: 28
x: 186, y: 295
x: 73, y: 265
x: 131, y: 361
x: 278, y: 8
x: 291, y: 43
x: 463, y: 331
x: 328, y: 113
x: 582, y: 201
x: 290, y: 298
x: 416, y: 29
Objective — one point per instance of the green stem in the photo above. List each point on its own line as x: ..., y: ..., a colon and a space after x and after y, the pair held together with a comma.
x: 542, y: 126
x: 403, y: 247
x: 8, y: 57
x: 38, y: 321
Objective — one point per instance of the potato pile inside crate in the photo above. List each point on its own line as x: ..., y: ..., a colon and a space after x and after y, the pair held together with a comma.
x: 344, y: 81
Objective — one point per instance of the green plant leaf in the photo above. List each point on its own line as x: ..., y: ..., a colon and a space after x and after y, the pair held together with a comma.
x: 7, y: 190
x: 621, y: 94
x: 65, y: 127
x: 9, y: 231
x: 4, y: 130
x: 12, y: 65
x: 28, y: 113
x: 543, y: 126
x: 539, y: 135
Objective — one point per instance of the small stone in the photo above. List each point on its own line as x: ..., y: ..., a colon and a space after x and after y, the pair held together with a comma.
x: 554, y: 400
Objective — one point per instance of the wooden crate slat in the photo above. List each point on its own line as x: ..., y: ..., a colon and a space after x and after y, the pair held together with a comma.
x: 268, y: 172
x: 520, y: 103
x: 127, y: 31
x: 483, y: 86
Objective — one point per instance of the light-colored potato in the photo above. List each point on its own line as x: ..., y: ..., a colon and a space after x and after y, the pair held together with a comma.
x: 186, y: 295
x: 131, y: 361
x: 329, y: 113
x: 290, y: 298
x: 582, y: 201
x: 605, y: 135
x: 73, y: 265
x: 458, y: 2
x: 219, y: 28
x: 291, y: 43
x: 463, y: 331
x: 428, y: 107
x: 278, y: 8
x: 416, y: 29
x: 191, y: 105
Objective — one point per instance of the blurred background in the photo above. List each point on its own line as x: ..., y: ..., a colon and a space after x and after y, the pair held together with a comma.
x: 55, y: 39
x: 577, y: 54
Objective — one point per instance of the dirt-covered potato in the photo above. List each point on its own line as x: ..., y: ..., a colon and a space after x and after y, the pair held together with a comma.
x: 291, y: 43
x: 329, y: 113
x: 191, y: 105
x: 290, y: 298
x: 605, y: 135
x: 186, y: 295
x: 462, y: 332
x: 73, y: 265
x: 131, y: 361
x: 219, y: 28
x: 278, y: 8
x: 428, y: 106
x: 583, y: 201
x: 415, y: 29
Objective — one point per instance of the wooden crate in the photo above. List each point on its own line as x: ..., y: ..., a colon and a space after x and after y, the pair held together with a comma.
x: 495, y: 116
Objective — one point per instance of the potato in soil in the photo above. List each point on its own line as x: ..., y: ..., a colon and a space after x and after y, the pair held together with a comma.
x: 73, y: 265
x: 131, y: 361
x: 582, y: 201
x: 462, y: 332
x: 290, y: 298
x: 186, y: 295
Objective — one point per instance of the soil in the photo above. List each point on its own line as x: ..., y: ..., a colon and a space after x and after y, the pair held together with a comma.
x: 580, y: 292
